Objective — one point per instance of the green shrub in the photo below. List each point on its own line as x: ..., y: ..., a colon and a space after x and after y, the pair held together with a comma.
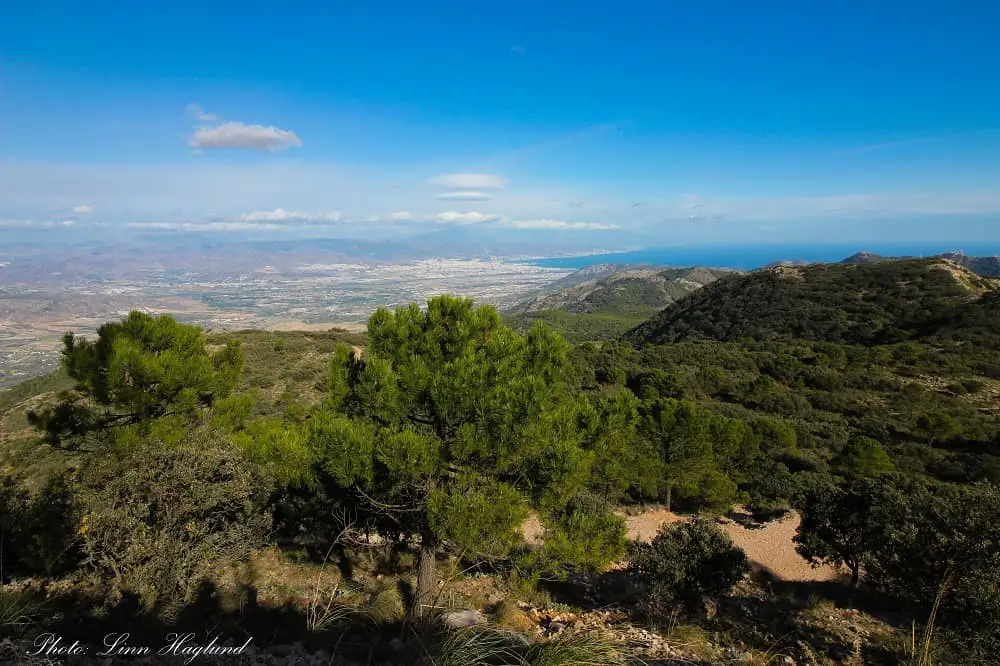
x: 38, y: 533
x: 51, y: 543
x: 686, y: 564
x: 865, y: 456
x: 584, y: 534
x: 14, y: 502
x: 161, y: 520
x: 973, y: 385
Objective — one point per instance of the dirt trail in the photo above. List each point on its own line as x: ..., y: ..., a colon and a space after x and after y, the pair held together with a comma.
x: 768, y: 546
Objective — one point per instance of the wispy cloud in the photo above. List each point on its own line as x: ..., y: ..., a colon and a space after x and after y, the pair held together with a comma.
x: 834, y: 206
x: 199, y: 113
x: 913, y: 141
x: 470, y: 181
x: 82, y: 209
x: 211, y: 225
x: 518, y: 49
x: 9, y: 223
x: 471, y: 217
x: 464, y: 196
x: 560, y: 224
x: 282, y: 215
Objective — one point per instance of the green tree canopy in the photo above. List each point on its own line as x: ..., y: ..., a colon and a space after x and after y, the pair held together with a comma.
x: 844, y: 525
x: 451, y: 426
x: 864, y: 455
x: 681, y: 432
x: 140, y: 369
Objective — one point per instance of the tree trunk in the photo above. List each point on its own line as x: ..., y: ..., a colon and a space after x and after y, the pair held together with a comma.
x: 670, y: 490
x: 426, y: 575
x: 854, y: 575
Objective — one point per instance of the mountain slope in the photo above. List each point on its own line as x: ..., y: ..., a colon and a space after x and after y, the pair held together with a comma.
x: 984, y: 266
x: 863, y: 303
x: 603, y: 301
x: 627, y: 291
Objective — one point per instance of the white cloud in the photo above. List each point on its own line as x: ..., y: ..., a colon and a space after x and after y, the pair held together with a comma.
x: 282, y: 215
x: 203, y: 226
x: 34, y: 224
x: 470, y: 181
x: 464, y: 196
x: 82, y: 209
x: 398, y: 216
x: 246, y: 137
x: 560, y: 224
x: 471, y: 217
x: 200, y: 113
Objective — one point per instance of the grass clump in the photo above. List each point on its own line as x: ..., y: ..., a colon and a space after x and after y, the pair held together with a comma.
x: 19, y: 608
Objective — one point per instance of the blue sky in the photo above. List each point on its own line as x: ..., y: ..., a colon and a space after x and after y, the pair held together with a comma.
x: 629, y: 122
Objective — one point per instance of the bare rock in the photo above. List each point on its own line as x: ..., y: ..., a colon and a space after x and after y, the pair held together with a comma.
x: 465, y: 618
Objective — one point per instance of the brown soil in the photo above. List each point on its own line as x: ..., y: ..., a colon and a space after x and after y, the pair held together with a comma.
x: 769, y: 546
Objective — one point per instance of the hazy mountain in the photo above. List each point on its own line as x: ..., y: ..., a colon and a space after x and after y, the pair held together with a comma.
x: 863, y: 258
x: 617, y: 289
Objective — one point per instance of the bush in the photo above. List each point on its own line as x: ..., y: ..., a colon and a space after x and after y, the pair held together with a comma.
x: 686, y: 564
x: 14, y: 504
x: 865, y: 456
x: 973, y: 385
x: 583, y: 535
x: 161, y: 520
x: 38, y: 533
x: 945, y: 539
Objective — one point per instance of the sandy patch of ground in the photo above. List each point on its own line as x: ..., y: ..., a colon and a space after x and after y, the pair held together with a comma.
x: 768, y: 546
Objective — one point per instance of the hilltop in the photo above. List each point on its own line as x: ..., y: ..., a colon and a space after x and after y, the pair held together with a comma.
x: 856, y: 303
x: 863, y: 258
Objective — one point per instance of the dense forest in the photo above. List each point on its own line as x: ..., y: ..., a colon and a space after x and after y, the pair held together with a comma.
x: 399, y: 468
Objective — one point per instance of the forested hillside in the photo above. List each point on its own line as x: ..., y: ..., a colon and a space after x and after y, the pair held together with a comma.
x: 866, y: 303
x: 374, y: 492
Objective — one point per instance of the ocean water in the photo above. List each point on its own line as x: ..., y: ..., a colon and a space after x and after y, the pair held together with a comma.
x: 748, y: 257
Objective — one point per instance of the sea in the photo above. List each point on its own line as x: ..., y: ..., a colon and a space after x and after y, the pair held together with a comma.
x: 749, y: 257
